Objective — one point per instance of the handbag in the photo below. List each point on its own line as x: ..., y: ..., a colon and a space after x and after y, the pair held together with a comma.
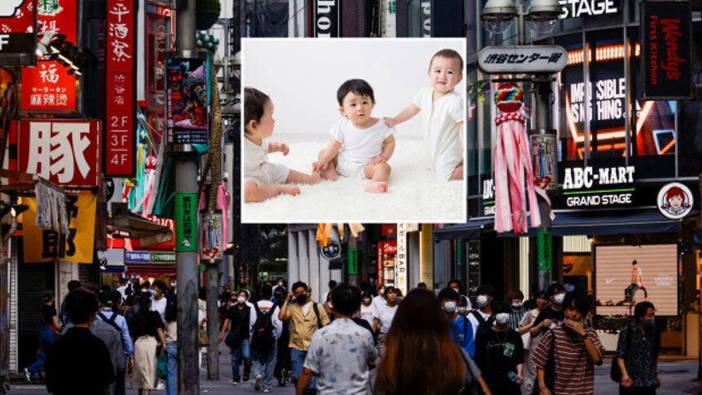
x: 162, y: 365
x: 232, y: 340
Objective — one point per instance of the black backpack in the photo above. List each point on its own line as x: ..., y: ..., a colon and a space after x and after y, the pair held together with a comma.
x: 262, y: 333
x: 482, y: 323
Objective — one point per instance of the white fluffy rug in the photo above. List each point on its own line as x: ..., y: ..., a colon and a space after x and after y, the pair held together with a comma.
x: 415, y: 194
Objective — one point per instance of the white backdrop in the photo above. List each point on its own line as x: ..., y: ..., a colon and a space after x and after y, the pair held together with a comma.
x: 302, y: 75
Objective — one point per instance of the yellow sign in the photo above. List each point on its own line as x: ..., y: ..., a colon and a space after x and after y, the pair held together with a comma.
x: 45, y: 245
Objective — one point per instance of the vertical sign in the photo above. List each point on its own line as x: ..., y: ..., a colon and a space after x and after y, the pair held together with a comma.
x: 186, y: 222
x: 48, y: 87
x: 326, y: 18
x: 17, y: 26
x: 665, y: 60
x: 187, y: 101
x: 401, y: 259
x: 119, y: 108
x: 426, y: 18
x: 473, y: 259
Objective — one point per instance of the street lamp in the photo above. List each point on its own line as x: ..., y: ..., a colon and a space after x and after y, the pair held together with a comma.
x: 542, y: 15
x: 497, y: 16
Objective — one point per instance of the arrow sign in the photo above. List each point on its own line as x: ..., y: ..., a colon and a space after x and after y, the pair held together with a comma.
x: 525, y: 59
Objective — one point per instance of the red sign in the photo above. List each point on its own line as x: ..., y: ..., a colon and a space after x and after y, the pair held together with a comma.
x: 48, y: 88
x: 17, y: 39
x: 63, y: 151
x: 119, y: 112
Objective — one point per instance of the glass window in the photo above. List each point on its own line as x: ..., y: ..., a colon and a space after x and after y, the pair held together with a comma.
x: 690, y: 118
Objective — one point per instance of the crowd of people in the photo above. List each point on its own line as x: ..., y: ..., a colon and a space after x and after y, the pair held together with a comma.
x: 355, y: 341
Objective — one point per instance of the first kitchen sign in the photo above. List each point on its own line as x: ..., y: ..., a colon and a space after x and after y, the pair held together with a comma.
x: 65, y: 152
x: 17, y: 31
x: 592, y: 187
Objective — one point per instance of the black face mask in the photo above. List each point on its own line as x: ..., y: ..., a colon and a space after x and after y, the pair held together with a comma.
x: 300, y: 299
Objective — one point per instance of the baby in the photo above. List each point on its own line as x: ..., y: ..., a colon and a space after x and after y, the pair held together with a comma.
x: 361, y: 145
x: 442, y: 115
x: 262, y: 179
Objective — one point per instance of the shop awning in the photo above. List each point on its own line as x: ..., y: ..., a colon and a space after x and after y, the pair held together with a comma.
x: 138, y: 227
x: 469, y: 230
x: 614, y: 223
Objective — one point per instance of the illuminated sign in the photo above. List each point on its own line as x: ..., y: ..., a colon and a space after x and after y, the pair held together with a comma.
x: 401, y: 260
x: 523, y: 59
x: 17, y: 28
x: 488, y: 200
x: 675, y: 200
x: 326, y: 18
x: 580, y: 8
x: 597, y: 187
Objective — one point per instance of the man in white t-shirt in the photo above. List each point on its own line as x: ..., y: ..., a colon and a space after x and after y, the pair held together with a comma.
x: 159, y: 301
x: 361, y: 144
x: 384, y: 314
x: 443, y: 113
x: 122, y: 289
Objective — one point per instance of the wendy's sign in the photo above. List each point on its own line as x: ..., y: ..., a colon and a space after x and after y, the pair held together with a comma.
x: 666, y: 39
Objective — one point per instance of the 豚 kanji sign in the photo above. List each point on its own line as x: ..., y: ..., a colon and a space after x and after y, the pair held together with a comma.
x: 65, y: 152
x: 119, y: 112
x: 523, y: 59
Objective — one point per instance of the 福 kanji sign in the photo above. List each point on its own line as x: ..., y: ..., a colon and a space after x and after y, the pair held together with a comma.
x: 17, y: 29
x: 66, y: 151
x: 119, y: 109
x: 523, y: 59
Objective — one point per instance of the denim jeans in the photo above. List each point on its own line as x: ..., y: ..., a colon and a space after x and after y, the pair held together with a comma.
x: 264, y: 364
x: 47, y: 337
x: 297, y: 360
x: 172, y: 352
x: 239, y: 354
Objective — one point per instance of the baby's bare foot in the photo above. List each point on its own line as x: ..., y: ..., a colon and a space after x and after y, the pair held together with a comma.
x: 289, y: 190
x: 316, y: 177
x: 377, y: 187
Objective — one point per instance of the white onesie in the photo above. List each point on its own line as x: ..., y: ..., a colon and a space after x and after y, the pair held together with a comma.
x: 358, y: 146
x: 257, y: 167
x: 441, y: 129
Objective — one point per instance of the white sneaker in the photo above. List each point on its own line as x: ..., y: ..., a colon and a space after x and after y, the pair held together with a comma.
x: 160, y: 386
x: 235, y: 382
x: 267, y: 390
x: 27, y: 375
x: 259, y: 380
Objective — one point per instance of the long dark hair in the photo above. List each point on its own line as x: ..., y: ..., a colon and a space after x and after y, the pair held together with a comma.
x: 419, y: 335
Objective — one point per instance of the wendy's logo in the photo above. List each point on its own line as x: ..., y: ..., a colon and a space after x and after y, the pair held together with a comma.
x: 675, y: 200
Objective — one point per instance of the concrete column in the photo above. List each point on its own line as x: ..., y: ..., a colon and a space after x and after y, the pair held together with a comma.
x: 426, y: 255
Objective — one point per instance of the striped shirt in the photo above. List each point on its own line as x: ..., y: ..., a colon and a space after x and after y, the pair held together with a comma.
x: 515, y: 317
x: 574, y: 370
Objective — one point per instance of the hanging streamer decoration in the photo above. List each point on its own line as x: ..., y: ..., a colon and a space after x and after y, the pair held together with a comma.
x: 512, y: 162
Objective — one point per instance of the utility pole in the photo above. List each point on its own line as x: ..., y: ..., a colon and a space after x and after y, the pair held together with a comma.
x: 186, y: 260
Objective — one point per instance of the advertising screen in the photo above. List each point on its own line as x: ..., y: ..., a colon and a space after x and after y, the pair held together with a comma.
x: 620, y: 284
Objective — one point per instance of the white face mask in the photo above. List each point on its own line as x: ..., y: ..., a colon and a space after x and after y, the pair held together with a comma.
x: 559, y: 298
x: 241, y: 299
x: 458, y: 291
x: 481, y: 300
x: 502, y: 318
x: 450, y: 307
x: 517, y: 304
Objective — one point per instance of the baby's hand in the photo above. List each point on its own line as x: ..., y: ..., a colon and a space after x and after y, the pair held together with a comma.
x: 390, y: 122
x: 280, y: 147
x: 317, y: 166
x: 378, y: 159
x: 289, y: 190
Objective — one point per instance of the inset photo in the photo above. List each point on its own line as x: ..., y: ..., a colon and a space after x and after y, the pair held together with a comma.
x: 353, y: 130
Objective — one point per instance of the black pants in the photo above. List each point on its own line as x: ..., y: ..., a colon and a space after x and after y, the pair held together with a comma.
x: 637, y: 390
x: 119, y: 383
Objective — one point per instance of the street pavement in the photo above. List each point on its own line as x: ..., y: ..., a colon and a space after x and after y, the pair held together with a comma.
x: 677, y: 377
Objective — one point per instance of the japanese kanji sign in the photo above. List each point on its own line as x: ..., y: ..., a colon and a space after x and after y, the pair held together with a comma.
x: 119, y: 109
x: 48, y: 88
x: 186, y: 222
x: 46, y: 245
x: 65, y: 152
x: 187, y: 101
x: 17, y: 29
x: 522, y: 59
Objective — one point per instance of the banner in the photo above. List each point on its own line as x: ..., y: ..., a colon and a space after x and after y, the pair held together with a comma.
x: 17, y: 31
x: 65, y: 151
x: 44, y: 245
x: 187, y: 101
x: 665, y: 60
x: 186, y: 222
x: 119, y: 106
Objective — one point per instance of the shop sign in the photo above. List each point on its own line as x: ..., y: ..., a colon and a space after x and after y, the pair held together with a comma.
x: 522, y: 59
x: 45, y: 245
x: 187, y: 101
x: 137, y: 257
x: 401, y: 259
x: 426, y: 18
x: 163, y: 257
x: 48, y: 88
x: 675, y: 200
x: 211, y: 240
x: 119, y: 107
x: 65, y: 152
x: 352, y: 262
x: 593, y: 187
x: 326, y: 18
x: 186, y: 222
x: 17, y: 28
x: 331, y: 251
x: 585, y: 8
x: 473, y: 255
x: 666, y: 60
x: 488, y: 200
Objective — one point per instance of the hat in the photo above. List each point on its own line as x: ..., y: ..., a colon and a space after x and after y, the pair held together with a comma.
x: 105, y: 297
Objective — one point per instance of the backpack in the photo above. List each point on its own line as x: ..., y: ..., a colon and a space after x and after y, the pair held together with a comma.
x: 316, y: 313
x: 262, y: 333
x: 111, y: 321
x: 482, y: 323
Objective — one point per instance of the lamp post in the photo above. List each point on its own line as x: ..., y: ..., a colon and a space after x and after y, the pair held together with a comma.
x: 541, y: 16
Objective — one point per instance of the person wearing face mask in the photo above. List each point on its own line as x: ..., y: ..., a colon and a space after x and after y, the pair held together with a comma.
x: 239, y: 320
x: 464, y: 305
x: 367, y: 311
x: 306, y: 317
x: 566, y: 356
x: 460, y: 331
x: 637, y: 353
x: 525, y: 326
x: 482, y: 317
x: 379, y: 296
x: 499, y: 354
x: 517, y: 310
x: 158, y: 300
x: 552, y: 314
x: 384, y: 314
